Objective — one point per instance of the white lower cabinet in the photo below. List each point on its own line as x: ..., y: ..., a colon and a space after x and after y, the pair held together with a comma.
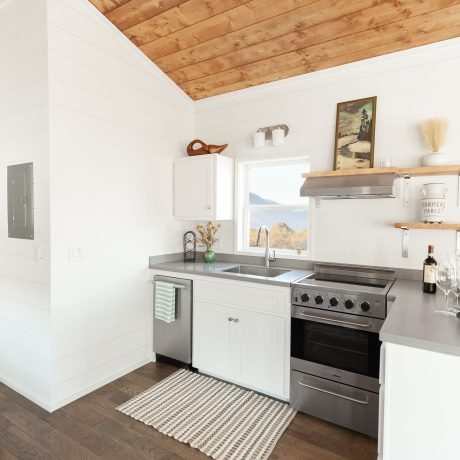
x: 421, y: 406
x: 259, y: 351
x: 211, y: 338
x: 235, y: 343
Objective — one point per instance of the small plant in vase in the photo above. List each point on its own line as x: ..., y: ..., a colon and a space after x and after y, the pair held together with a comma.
x: 207, y: 236
x: 434, y: 135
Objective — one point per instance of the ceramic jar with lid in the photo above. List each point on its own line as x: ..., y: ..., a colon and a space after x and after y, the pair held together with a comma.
x: 433, y: 203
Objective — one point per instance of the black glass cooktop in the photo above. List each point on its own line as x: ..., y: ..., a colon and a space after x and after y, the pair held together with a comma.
x: 346, y: 279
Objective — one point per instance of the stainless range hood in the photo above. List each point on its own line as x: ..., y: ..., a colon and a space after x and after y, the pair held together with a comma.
x: 350, y: 186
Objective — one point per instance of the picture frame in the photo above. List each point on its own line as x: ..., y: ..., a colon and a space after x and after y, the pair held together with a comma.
x: 355, y: 134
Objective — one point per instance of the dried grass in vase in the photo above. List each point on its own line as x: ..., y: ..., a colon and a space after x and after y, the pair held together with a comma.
x: 434, y: 133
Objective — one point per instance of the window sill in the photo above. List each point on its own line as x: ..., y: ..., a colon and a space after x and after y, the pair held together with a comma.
x: 279, y: 255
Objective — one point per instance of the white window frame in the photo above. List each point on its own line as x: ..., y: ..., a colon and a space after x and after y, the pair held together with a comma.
x: 243, y: 208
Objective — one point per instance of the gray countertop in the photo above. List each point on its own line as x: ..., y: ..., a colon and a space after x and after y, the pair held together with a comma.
x: 215, y: 269
x: 412, y: 320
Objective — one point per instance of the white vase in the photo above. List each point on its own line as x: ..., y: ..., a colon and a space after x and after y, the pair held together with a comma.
x: 435, y: 159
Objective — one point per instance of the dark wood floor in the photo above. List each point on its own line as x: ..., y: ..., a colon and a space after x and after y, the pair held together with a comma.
x: 91, y: 428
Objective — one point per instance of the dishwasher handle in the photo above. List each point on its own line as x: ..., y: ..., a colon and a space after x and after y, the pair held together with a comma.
x: 176, y: 286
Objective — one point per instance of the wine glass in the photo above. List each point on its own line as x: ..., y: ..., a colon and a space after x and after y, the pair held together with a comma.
x: 445, y: 274
x: 456, y: 283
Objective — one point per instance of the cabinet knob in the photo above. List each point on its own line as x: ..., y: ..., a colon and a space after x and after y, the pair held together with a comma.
x: 230, y: 319
x: 236, y: 320
x: 208, y: 207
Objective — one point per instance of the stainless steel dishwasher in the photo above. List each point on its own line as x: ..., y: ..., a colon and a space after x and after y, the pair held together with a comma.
x: 174, y: 340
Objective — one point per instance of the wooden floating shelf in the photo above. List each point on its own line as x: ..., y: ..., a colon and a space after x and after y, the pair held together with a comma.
x: 448, y: 170
x: 406, y: 226
x: 422, y: 226
x: 417, y: 171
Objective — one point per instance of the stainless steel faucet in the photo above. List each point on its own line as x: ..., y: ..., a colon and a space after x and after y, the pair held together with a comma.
x: 268, y: 259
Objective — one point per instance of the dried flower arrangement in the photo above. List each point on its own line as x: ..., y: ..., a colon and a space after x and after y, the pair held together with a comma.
x: 207, y: 234
x: 434, y: 133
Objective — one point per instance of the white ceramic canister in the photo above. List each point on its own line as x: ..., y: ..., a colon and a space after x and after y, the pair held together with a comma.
x: 433, y: 203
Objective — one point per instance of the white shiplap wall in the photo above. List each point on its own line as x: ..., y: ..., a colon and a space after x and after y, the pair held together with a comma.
x: 116, y: 124
x: 103, y: 125
x: 25, y: 356
x: 411, y: 86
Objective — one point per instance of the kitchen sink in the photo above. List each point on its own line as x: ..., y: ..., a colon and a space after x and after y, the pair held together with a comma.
x: 254, y: 270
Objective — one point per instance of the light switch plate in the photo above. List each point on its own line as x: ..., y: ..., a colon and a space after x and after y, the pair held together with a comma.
x: 38, y: 253
x: 77, y: 253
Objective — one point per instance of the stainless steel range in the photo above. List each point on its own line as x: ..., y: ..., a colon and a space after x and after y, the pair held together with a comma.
x: 336, y: 316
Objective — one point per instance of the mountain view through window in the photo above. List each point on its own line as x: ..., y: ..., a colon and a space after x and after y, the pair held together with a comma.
x: 274, y: 201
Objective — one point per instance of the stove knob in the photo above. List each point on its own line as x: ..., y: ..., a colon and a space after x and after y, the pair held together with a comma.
x: 319, y: 299
x: 333, y: 301
x: 365, y: 306
x: 349, y: 304
x: 305, y: 297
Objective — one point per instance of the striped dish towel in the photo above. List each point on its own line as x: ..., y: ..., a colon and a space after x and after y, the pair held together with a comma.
x: 165, y: 301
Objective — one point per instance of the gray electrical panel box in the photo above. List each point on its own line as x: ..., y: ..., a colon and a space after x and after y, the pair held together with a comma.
x: 21, y: 201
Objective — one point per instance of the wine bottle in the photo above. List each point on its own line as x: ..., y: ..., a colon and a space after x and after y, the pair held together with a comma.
x: 429, y: 272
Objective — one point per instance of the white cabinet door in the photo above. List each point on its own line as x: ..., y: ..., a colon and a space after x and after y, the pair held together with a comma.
x: 252, y: 350
x: 260, y: 352
x: 194, y: 188
x: 211, y: 339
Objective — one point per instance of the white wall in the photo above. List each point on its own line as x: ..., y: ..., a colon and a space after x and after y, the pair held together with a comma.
x: 411, y: 86
x: 25, y: 357
x: 116, y: 124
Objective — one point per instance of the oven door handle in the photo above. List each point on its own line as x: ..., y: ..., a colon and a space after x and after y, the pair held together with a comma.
x: 359, y: 401
x: 347, y: 323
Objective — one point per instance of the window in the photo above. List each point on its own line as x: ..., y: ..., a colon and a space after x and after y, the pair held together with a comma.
x: 269, y: 194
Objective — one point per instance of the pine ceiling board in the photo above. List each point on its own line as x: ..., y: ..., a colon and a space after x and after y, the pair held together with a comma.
x: 178, y: 18
x: 133, y: 12
x: 423, y: 37
x: 288, y: 25
x: 221, y: 25
x: 212, y: 47
x: 367, y: 19
x: 323, y: 53
x: 105, y: 6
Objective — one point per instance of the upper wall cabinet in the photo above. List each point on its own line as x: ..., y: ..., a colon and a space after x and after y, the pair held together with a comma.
x: 203, y: 188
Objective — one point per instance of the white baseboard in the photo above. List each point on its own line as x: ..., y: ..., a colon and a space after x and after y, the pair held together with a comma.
x: 43, y: 403
x: 52, y: 406
x: 67, y: 400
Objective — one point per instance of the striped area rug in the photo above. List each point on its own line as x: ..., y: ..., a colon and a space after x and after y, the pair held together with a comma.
x: 220, y: 419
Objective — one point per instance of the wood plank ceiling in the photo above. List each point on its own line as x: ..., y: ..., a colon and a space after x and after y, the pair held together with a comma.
x: 211, y: 47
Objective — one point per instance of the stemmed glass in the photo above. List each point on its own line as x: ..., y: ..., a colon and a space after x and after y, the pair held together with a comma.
x: 456, y: 283
x: 445, y: 276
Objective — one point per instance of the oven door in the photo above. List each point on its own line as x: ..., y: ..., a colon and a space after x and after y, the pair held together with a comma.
x: 337, y: 346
